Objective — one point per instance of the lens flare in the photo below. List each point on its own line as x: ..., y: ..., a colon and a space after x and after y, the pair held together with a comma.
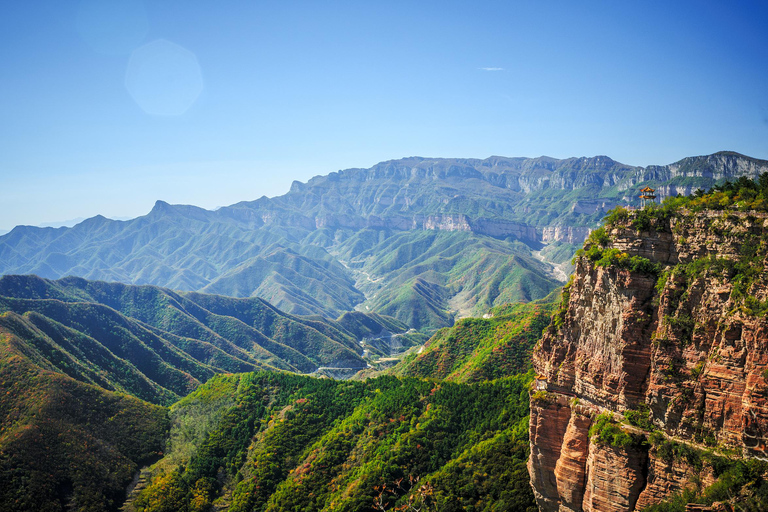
x: 164, y: 78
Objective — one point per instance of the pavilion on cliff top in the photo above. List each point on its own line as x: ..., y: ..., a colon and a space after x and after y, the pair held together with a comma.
x: 647, y: 196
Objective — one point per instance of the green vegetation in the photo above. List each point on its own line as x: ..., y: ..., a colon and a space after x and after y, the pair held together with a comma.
x: 598, y: 237
x: 606, y: 430
x: 596, y: 247
x: 559, y: 317
x: 683, y: 325
x: 329, y: 445
x: 159, y: 345
x: 669, y: 450
x: 616, y: 258
x: 66, y: 445
x: 741, y: 482
x: 742, y: 272
x: 640, y: 417
x: 67, y: 439
x: 428, y: 277
x: 478, y: 349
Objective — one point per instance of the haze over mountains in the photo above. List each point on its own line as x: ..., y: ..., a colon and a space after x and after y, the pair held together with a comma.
x: 423, y: 240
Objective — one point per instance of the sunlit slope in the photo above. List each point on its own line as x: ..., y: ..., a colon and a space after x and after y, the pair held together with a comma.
x: 64, y: 444
x: 186, y: 248
x: 425, y: 278
x: 281, y: 442
x: 477, y: 349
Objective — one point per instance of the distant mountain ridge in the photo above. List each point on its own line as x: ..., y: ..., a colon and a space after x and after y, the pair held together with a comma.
x: 419, y: 239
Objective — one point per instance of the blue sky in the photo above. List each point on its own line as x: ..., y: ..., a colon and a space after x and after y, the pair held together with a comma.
x: 106, y: 107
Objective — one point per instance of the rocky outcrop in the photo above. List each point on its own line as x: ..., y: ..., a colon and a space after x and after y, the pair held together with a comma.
x: 666, y: 477
x: 687, y: 343
x: 615, y: 477
x: 569, y: 234
x: 497, y: 228
x: 549, y: 422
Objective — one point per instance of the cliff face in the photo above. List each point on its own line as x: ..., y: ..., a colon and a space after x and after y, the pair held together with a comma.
x: 498, y: 228
x: 686, y: 343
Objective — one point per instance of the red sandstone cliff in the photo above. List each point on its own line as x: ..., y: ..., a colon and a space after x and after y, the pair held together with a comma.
x: 689, y: 342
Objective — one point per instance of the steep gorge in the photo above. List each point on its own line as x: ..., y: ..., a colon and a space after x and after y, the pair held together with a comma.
x: 663, y: 323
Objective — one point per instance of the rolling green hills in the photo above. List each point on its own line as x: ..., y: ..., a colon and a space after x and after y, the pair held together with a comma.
x: 86, y: 366
x: 284, y: 442
x: 80, y: 362
x: 159, y: 345
x: 72, y: 437
x: 423, y: 240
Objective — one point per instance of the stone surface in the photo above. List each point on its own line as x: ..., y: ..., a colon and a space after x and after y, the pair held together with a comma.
x: 667, y: 477
x: 695, y: 354
x: 549, y: 423
x: 570, y: 469
x: 615, y: 477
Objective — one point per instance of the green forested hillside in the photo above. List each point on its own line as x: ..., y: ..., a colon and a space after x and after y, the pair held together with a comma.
x: 477, y: 349
x: 425, y: 278
x: 72, y: 352
x: 159, y: 345
x: 66, y: 445
x: 285, y: 442
x: 80, y: 362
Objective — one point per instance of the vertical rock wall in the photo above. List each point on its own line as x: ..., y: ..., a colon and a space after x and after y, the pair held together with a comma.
x: 682, y: 343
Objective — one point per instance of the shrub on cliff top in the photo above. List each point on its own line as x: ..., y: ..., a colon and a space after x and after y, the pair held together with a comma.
x: 652, y: 217
x: 618, y: 215
x: 599, y: 237
x: 614, y: 257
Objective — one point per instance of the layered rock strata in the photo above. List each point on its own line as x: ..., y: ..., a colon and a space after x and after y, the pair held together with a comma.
x: 687, y: 343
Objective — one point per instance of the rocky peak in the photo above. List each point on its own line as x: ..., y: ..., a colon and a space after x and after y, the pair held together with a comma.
x: 720, y: 165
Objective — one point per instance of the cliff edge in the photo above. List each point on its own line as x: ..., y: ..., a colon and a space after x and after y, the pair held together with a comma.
x: 656, y: 365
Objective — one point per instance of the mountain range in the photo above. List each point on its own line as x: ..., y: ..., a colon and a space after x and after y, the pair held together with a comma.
x: 423, y: 240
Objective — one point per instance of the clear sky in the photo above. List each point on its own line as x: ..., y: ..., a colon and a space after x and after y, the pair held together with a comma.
x: 106, y: 106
